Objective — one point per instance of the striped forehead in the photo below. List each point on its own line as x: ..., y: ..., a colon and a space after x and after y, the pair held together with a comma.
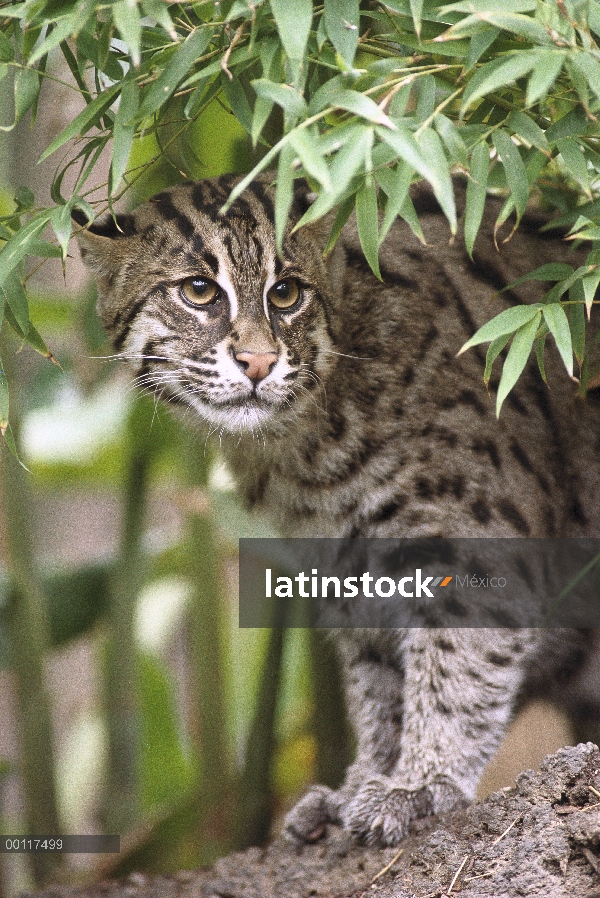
x: 238, y: 248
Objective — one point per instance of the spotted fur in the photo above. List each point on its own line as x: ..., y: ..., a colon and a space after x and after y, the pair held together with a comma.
x: 349, y: 414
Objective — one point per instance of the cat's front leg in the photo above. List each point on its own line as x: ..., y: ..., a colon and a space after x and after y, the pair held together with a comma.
x: 460, y: 688
x: 374, y: 691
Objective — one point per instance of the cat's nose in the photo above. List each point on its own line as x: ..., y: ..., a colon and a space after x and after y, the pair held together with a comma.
x: 256, y: 365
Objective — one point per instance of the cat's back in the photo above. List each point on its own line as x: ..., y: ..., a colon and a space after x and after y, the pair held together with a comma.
x: 406, y: 441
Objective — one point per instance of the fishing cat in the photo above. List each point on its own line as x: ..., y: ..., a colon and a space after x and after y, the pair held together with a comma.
x: 344, y: 411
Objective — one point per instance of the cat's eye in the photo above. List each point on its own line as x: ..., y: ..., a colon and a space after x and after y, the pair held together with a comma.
x: 284, y: 294
x: 199, y: 291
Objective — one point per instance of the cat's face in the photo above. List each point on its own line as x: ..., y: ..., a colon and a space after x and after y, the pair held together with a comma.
x: 206, y: 311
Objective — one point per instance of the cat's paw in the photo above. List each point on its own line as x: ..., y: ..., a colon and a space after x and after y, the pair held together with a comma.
x: 379, y: 812
x: 307, y: 821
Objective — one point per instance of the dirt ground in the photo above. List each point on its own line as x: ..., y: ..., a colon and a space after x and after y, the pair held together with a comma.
x: 539, y: 838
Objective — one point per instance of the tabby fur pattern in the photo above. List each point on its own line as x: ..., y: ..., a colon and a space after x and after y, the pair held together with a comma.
x: 344, y: 411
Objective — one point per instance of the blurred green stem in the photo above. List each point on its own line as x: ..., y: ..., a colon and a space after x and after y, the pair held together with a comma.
x: 207, y: 629
x: 122, y: 797
x: 29, y: 641
x: 254, y: 814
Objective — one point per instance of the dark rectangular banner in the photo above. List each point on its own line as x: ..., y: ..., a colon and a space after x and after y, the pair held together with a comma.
x: 419, y: 583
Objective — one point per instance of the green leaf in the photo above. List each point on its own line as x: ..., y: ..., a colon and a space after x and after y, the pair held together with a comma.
x: 341, y: 19
x: 342, y: 215
x: 84, y: 121
x: 123, y: 133
x: 367, y: 220
x: 547, y: 69
x: 361, y: 105
x: 15, y: 249
x: 574, y: 122
x: 285, y: 192
x: 293, y: 19
x: 441, y: 182
x: 285, y: 96
x: 514, y: 167
x: 346, y: 163
x: 179, y: 65
x: 497, y: 74
x: 552, y: 271
x: 126, y: 16
x: 479, y: 43
x: 517, y: 358
x: 494, y: 350
x: 479, y: 6
x: 312, y: 162
x: 61, y: 222
x: 589, y: 68
x: 540, y: 345
x: 16, y: 300
x: 507, y: 322
x: 558, y: 325
x: 590, y: 285
x: 514, y: 23
x: 452, y: 139
x: 26, y: 91
x: 237, y: 99
x: 7, y: 52
x: 416, y: 9
x: 3, y: 401
x: 476, y: 194
x: 576, y: 314
x: 395, y: 183
x: 158, y: 11
x: 575, y: 161
x: 524, y: 126
x: 60, y: 31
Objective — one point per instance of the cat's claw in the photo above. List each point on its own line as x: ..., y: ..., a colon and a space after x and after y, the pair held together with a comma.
x: 308, y: 819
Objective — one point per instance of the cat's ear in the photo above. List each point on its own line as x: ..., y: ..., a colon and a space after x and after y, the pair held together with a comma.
x: 101, y: 243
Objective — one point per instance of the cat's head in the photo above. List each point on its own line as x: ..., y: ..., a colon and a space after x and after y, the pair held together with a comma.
x: 204, y: 308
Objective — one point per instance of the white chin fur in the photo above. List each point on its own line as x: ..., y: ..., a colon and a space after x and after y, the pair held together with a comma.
x: 235, y: 420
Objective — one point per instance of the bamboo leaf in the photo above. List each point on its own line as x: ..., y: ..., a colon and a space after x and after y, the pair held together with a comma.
x: 494, y: 350
x: 285, y: 96
x: 558, y: 325
x: 7, y: 52
x: 476, y: 194
x: 312, y: 162
x: 84, y: 121
x: 126, y: 16
x: 15, y: 249
x: 61, y: 222
x: 589, y: 68
x: 545, y: 73
x: 4, y: 402
x: 416, y: 9
x: 176, y: 69
x: 514, y: 167
x: 524, y: 126
x: 496, y: 74
x: 15, y: 299
x: 590, y: 285
x: 575, y: 162
x: 395, y: 183
x: 341, y: 18
x: 506, y: 322
x: 576, y: 314
x: 441, y: 181
x: 123, y: 133
x: 293, y: 19
x: 367, y: 220
x: 285, y: 192
x: 516, y: 359
x: 359, y: 104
